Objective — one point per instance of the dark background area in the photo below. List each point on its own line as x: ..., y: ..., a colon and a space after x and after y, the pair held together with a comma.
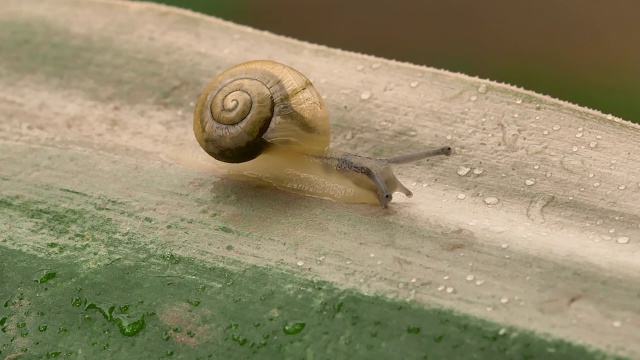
x: 586, y: 52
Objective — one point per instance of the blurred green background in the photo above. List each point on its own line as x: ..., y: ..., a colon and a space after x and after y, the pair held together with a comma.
x: 586, y: 52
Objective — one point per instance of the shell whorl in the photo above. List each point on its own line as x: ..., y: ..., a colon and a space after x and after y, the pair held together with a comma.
x: 256, y: 104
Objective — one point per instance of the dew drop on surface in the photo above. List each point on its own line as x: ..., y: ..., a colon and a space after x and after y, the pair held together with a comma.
x: 593, y: 144
x: 605, y: 237
x: 546, y: 132
x: 470, y: 277
x: 461, y: 196
x: 441, y: 287
x: 482, y: 89
x: 293, y: 327
x: 518, y: 101
x: 611, y: 231
x: 504, y: 300
x: 596, y: 184
x: 622, y: 240
x: 446, y: 277
x: 463, y: 170
x: 490, y: 200
x: 530, y: 182
x: 479, y: 282
x: 575, y: 148
x: 478, y: 171
x: 365, y: 95
x: 376, y: 65
x: 616, y: 323
x: 622, y: 187
x: 609, y: 117
x: 372, y: 255
x: 474, y: 98
x: 579, y: 135
x: 300, y: 263
x: 556, y: 127
x: 449, y: 137
x: 414, y: 84
x: 450, y: 290
x: 504, y: 246
x: 536, y: 167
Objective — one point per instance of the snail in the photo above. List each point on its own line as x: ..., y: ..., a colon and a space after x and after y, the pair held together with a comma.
x: 268, y: 120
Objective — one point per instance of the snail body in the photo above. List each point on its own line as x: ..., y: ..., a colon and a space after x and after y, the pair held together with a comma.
x: 269, y: 120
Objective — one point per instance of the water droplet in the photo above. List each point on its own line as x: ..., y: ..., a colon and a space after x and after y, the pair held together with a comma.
x: 293, y: 327
x: 372, y: 255
x: 556, y: 127
x: 365, y: 95
x: 575, y: 148
x: 623, y: 240
x: 300, y: 263
x: 504, y: 300
x: 446, y: 277
x: 546, y: 132
x: 502, y: 331
x: 490, y: 200
x: 596, y: 184
x: 482, y: 89
x: 609, y: 117
x: 414, y: 84
x: 478, y: 171
x: 530, y: 182
x: 536, y: 167
x: 461, y: 196
x: 622, y: 187
x: 450, y: 290
x: 375, y: 65
x: 504, y: 246
x: 518, y: 101
x: 616, y: 323
x: 474, y: 98
x: 470, y: 277
x: 579, y: 135
x: 449, y: 137
x: 479, y: 282
x: 605, y: 237
x: 441, y: 287
x: 463, y: 170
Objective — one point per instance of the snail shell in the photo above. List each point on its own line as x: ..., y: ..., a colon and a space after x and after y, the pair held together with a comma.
x: 269, y: 120
x: 255, y: 105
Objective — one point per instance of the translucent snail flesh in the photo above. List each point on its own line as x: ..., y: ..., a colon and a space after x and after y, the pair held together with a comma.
x: 269, y: 120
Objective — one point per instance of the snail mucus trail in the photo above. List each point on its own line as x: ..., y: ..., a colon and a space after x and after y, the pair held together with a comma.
x: 269, y: 121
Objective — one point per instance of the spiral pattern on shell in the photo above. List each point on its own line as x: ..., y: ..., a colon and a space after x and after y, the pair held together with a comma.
x: 257, y: 104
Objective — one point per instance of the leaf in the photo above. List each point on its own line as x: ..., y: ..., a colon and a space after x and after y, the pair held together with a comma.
x: 536, y: 217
